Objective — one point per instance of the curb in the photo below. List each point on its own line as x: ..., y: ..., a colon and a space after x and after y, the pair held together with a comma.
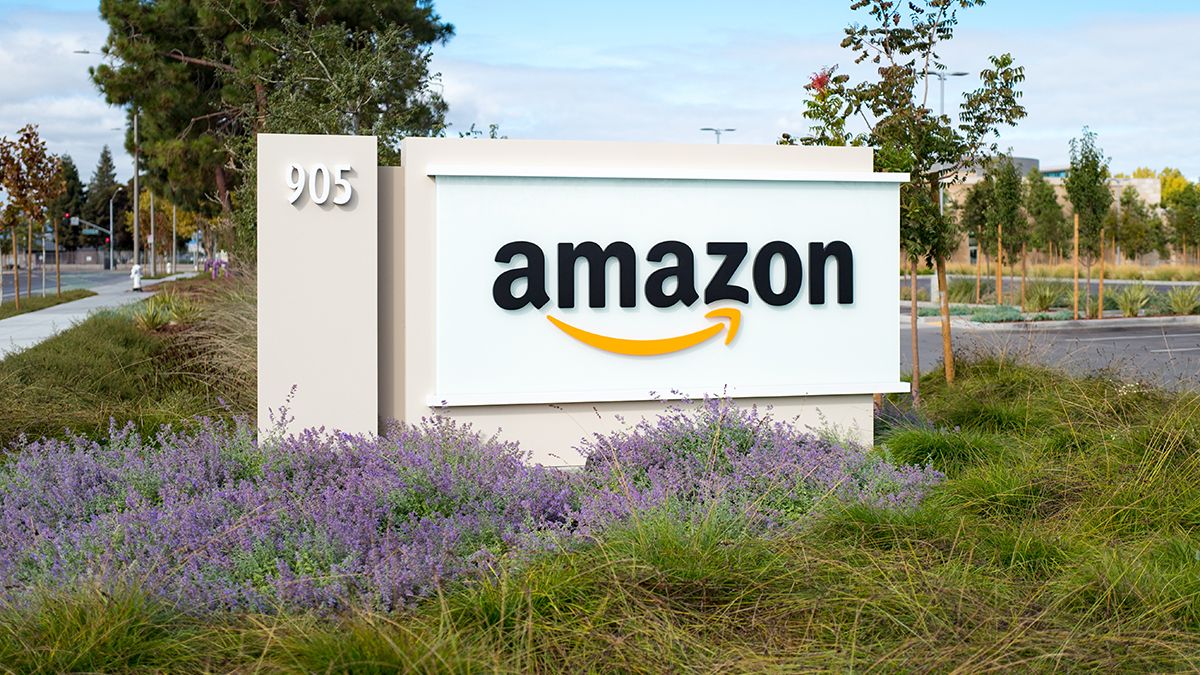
x: 1123, y: 322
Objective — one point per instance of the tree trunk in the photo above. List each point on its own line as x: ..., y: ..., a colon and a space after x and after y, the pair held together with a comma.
x: 916, y: 348
x: 223, y: 191
x: 57, y: 265
x: 999, y: 265
x: 1024, y: 273
x: 947, y: 352
x: 16, y: 270
x: 978, y: 269
x: 29, y: 259
x: 1100, y: 310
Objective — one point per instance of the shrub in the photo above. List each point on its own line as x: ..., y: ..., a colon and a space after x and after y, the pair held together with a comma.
x: 1132, y: 299
x: 1184, y: 300
x: 220, y: 518
x: 963, y: 290
x: 996, y: 314
x: 1040, y: 297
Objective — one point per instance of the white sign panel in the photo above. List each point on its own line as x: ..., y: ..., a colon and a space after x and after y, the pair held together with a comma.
x: 318, y: 230
x: 592, y: 288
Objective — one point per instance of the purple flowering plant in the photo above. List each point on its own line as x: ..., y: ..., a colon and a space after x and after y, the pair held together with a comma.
x: 221, y: 518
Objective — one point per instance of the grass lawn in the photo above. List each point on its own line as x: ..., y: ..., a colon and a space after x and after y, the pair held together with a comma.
x: 33, y: 304
x: 111, y: 367
x: 1065, y: 537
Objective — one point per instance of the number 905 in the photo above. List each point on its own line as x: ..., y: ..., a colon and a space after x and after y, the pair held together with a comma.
x: 320, y: 182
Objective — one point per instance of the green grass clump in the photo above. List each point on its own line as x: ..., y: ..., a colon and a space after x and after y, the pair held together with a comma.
x: 1044, y: 296
x: 105, y: 367
x: 36, y: 302
x: 1184, y: 300
x: 955, y: 310
x: 1132, y: 299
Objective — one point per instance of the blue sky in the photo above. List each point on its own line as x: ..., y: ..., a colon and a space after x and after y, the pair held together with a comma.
x: 658, y: 71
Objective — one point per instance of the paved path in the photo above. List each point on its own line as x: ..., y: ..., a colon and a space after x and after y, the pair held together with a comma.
x: 26, y: 330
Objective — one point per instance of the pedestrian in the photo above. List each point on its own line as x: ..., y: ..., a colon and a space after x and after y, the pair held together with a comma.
x: 135, y: 273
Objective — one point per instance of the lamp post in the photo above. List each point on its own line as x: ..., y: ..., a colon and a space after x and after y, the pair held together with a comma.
x: 717, y: 131
x: 112, y: 229
x: 941, y: 76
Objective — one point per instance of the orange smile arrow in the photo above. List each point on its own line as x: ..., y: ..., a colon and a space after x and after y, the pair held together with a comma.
x: 658, y: 346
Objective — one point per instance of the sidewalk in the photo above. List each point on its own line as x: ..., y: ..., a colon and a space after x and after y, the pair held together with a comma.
x: 26, y: 330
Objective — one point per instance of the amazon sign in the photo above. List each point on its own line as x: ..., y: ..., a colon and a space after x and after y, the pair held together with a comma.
x: 668, y: 285
x: 550, y: 290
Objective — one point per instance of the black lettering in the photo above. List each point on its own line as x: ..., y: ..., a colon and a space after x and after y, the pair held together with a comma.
x: 793, y: 273
x: 534, y: 274
x: 720, y: 288
x: 683, y: 271
x: 597, y: 259
x: 818, y: 255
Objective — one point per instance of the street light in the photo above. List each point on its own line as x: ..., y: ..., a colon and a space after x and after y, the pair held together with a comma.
x: 941, y: 76
x: 112, y: 228
x: 716, y: 131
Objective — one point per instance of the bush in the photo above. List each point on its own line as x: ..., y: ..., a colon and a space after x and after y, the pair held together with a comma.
x: 1041, y: 297
x: 221, y: 519
x: 963, y: 290
x: 1184, y: 300
x: 996, y: 314
x: 1132, y: 299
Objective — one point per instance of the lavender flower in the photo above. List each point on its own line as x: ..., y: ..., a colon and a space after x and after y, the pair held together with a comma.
x: 219, y: 518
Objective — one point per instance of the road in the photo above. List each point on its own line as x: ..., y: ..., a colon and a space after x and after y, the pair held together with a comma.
x: 1166, y: 355
x: 70, y: 279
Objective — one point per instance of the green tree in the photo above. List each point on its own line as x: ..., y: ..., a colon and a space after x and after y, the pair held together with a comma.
x: 71, y: 201
x: 1183, y: 214
x: 332, y: 79
x: 1138, y: 230
x: 190, y: 66
x: 1050, y: 231
x: 907, y: 135
x: 1004, y: 217
x: 825, y: 107
x: 101, y: 188
x: 1087, y: 188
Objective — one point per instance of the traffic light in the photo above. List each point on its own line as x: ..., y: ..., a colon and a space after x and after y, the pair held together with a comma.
x: 107, y: 240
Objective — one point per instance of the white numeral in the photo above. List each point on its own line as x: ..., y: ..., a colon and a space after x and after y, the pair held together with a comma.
x: 295, y: 182
x: 320, y: 183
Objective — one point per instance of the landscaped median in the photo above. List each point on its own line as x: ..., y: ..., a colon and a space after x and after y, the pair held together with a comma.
x: 1021, y: 520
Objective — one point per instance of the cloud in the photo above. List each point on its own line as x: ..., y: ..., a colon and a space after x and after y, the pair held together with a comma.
x: 44, y: 82
x: 1124, y: 76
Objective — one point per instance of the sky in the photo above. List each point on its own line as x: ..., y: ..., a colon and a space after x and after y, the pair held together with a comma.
x: 659, y: 70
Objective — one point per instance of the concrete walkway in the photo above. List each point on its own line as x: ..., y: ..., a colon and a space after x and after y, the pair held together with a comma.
x: 26, y: 330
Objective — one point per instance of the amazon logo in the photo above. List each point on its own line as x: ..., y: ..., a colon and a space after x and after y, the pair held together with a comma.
x: 672, y: 282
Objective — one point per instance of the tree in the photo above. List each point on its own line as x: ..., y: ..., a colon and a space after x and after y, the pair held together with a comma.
x: 1087, y: 188
x: 1172, y: 183
x: 973, y: 219
x: 1139, y: 230
x: 71, y: 202
x: 34, y: 182
x: 186, y: 224
x: 824, y: 107
x: 1183, y: 214
x: 1004, y: 217
x: 334, y: 79
x: 10, y: 183
x: 909, y: 137
x: 1050, y: 231
x: 101, y: 188
x: 188, y: 66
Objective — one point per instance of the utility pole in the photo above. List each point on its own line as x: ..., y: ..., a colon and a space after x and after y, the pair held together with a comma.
x: 137, y: 195
x: 112, y: 230
x: 153, y: 257
x: 941, y: 76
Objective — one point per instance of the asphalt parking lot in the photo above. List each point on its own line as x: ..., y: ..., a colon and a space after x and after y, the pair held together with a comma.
x: 1165, y: 354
